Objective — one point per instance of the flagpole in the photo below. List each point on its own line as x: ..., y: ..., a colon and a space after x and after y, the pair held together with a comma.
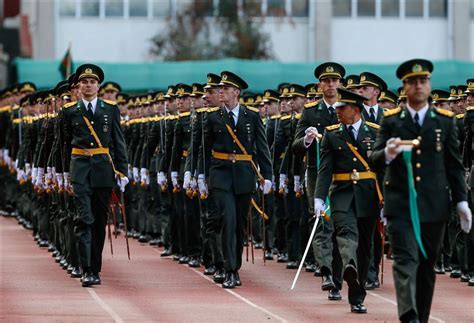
x: 68, y: 66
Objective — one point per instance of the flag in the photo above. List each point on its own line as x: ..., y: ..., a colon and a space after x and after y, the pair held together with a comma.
x: 65, y: 67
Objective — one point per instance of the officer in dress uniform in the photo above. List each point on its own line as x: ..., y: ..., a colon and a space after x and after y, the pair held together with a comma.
x: 98, y: 163
x: 416, y: 229
x: 235, y: 138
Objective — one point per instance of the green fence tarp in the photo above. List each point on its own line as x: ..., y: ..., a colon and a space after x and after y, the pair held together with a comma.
x: 260, y: 75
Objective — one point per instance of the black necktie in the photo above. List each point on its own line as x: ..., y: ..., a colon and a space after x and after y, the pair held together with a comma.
x: 417, y: 121
x: 90, y: 113
x: 351, y: 132
x: 231, y: 117
x: 332, y: 112
x: 372, y: 115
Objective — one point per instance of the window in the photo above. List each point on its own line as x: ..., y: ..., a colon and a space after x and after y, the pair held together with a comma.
x: 390, y: 8
x: 366, y: 8
x: 276, y: 8
x: 114, y: 8
x: 438, y: 8
x: 414, y: 8
x: 138, y: 8
x: 342, y: 8
x: 67, y: 8
x: 90, y: 8
x: 161, y: 8
x: 252, y: 8
x: 299, y: 8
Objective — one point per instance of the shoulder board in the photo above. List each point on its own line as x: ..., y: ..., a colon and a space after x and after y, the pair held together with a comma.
x: 123, y: 122
x: 201, y: 110
x: 213, y: 109
x: 372, y: 125
x: 298, y: 116
x: 275, y: 117
x: 70, y: 104
x: 333, y: 127
x: 310, y: 105
x: 460, y: 116
x: 109, y: 102
x: 471, y: 108
x: 392, y: 112
x: 184, y: 114
x: 252, y: 109
x: 172, y: 117
x: 444, y: 112
x: 17, y: 120
x: 286, y: 117
x: 5, y: 108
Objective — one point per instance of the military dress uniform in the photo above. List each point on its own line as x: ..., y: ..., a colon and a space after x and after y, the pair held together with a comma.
x: 437, y: 171
x: 92, y: 172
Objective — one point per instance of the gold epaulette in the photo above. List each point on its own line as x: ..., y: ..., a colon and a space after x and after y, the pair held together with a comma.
x: 15, y: 107
x: 70, y: 104
x: 333, y: 127
x: 298, y: 116
x: 109, y: 102
x: 310, y: 105
x: 444, y: 112
x: 171, y: 117
x: 184, y: 114
x: 460, y: 116
x: 471, y: 108
x: 17, y: 121
x: 253, y: 109
x: 286, y: 117
x: 123, y: 122
x: 213, y: 109
x: 52, y: 115
x: 392, y: 112
x: 6, y: 108
x: 276, y: 117
x: 201, y: 110
x: 372, y: 125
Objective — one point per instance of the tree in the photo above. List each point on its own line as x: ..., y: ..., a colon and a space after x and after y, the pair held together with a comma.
x: 188, y: 36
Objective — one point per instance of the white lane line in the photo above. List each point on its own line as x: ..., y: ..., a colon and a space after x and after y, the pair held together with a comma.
x: 395, y: 304
x: 107, y: 308
x: 238, y: 296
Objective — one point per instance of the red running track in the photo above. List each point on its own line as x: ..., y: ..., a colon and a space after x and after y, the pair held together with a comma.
x: 149, y: 288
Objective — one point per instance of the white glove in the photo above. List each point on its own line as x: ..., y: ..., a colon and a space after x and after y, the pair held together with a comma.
x: 40, y: 177
x: 161, y: 179
x: 174, y: 179
x: 60, y: 178
x: 187, y: 180
x: 383, y: 219
x: 16, y: 164
x: 6, y: 156
x: 282, y: 183
x: 296, y: 180
x: 20, y: 175
x: 66, y: 180
x: 48, y: 177
x: 392, y: 149
x: 122, y: 181
x: 136, y: 175
x: 267, y: 186
x: 465, y: 216
x: 144, y: 176
x: 310, y: 134
x: 34, y: 174
x: 319, y: 207
x: 27, y: 169
x: 193, y: 183
x: 129, y: 171
x: 274, y: 183
x: 202, y: 185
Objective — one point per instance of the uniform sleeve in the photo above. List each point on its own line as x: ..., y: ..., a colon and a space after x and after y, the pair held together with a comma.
x: 120, y: 153
x: 324, y: 178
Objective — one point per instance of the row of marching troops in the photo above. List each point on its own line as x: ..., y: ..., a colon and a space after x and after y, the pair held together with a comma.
x: 212, y: 169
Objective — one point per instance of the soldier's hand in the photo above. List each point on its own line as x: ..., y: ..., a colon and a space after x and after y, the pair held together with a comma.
x: 267, y: 186
x: 465, y: 216
x: 174, y: 179
x: 187, y: 180
x: 297, y: 184
x: 383, y: 219
x: 161, y: 179
x: 144, y: 176
x: 202, y: 185
x: 392, y: 149
x: 122, y: 181
x: 310, y: 134
x: 319, y: 207
x: 136, y: 175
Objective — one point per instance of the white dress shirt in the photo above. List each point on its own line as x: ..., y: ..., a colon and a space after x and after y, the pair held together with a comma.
x: 93, y: 102
x: 356, y: 127
x: 235, y: 111
x: 375, y: 107
x: 421, y: 113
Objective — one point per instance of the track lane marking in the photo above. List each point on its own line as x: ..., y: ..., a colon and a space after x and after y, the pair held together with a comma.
x: 104, y: 306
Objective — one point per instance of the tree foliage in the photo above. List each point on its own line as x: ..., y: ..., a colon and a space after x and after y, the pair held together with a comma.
x: 194, y: 34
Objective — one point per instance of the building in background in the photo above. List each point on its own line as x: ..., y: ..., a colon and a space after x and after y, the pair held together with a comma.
x: 348, y: 31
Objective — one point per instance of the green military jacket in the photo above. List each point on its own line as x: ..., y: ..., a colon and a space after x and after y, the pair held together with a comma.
x: 437, y: 168
x: 338, y: 158
x: 106, y: 123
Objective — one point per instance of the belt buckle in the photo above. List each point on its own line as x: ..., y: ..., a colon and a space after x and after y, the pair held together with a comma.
x: 232, y: 157
x: 355, y: 176
x: 87, y: 152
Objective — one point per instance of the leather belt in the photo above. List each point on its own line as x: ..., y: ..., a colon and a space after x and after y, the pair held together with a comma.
x: 90, y: 152
x: 354, y: 176
x: 231, y: 157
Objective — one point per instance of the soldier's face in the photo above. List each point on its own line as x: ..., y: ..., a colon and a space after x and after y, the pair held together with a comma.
x: 347, y: 114
x: 227, y: 94
x: 417, y: 89
x: 369, y: 91
x: 453, y: 106
x: 110, y: 95
x: 197, y: 102
x: 470, y: 98
x: 89, y: 87
x: 285, y: 106
x: 329, y: 86
x: 212, y: 97
x: 461, y: 105
x: 387, y: 105
x: 297, y: 103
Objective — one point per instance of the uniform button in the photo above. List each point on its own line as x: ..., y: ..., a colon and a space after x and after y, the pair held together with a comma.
x: 354, y: 159
x: 92, y: 122
x: 233, y: 151
x: 418, y: 178
x: 233, y: 161
x: 419, y: 138
x: 233, y: 141
x: 356, y: 148
x: 418, y: 152
x: 354, y: 182
x: 418, y: 165
x: 92, y: 144
x: 387, y: 182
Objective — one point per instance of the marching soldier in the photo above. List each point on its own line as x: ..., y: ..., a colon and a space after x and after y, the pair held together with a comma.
x: 98, y: 162
x: 371, y: 87
x: 387, y: 100
x: 416, y: 221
